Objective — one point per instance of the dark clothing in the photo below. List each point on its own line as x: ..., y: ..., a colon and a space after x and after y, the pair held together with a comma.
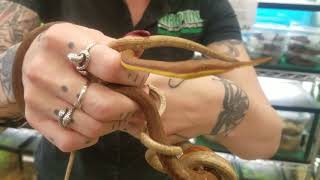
x: 118, y: 155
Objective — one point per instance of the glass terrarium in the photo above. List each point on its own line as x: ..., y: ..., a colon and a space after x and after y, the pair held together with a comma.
x: 290, y: 37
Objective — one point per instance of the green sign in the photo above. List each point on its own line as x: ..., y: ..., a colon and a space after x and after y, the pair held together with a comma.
x: 183, y: 22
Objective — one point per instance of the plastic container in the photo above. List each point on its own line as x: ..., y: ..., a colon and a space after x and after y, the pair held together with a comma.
x: 303, y: 47
x: 266, y: 40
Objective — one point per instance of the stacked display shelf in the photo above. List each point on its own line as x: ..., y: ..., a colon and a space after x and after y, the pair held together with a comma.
x: 298, y: 73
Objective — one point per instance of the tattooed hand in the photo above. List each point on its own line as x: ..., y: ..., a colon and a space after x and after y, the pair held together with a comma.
x: 51, y: 84
x: 201, y: 106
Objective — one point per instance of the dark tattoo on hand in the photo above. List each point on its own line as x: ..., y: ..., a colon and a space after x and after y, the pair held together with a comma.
x: 124, y: 117
x: 173, y: 83
x: 113, y: 126
x: 136, y: 77
x: 143, y: 79
x: 71, y: 45
x: 56, y: 112
x: 235, y: 106
x: 181, y: 136
x: 231, y: 47
x: 87, y: 141
x: 64, y: 88
x: 119, y: 124
x: 6, y: 63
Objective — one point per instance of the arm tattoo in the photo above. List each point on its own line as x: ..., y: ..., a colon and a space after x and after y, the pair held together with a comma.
x: 235, y: 106
x: 173, y: 83
x: 6, y: 63
x: 15, y: 21
x: 230, y: 47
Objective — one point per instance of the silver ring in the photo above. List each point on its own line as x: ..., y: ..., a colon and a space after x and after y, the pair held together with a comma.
x: 82, y: 59
x: 83, y: 90
x: 65, y: 116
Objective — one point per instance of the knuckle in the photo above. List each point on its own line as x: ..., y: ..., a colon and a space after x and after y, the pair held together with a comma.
x: 96, y: 130
x: 95, y: 32
x: 112, y: 66
x: 102, y: 110
x: 53, y: 35
x: 28, y: 114
x: 49, y: 41
x: 28, y: 97
x: 33, y: 69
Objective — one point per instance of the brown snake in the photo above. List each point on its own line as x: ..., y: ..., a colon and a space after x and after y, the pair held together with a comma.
x: 190, y: 162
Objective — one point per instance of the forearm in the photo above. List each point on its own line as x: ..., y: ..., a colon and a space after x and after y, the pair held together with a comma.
x: 15, y: 21
x: 258, y: 135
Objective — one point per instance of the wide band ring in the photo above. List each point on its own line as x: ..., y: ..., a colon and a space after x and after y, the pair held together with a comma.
x: 82, y: 59
x: 65, y: 116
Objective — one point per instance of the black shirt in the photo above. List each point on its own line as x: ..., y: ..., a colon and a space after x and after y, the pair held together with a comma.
x: 118, y: 155
x: 203, y: 21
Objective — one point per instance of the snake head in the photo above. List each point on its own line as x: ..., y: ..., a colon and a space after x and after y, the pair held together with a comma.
x: 140, y: 33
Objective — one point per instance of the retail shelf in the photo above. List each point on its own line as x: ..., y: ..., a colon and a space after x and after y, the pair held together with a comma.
x: 290, y: 4
x: 283, y: 74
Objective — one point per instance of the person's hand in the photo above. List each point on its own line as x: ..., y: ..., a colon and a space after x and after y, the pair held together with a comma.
x: 51, y: 84
x: 192, y: 106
